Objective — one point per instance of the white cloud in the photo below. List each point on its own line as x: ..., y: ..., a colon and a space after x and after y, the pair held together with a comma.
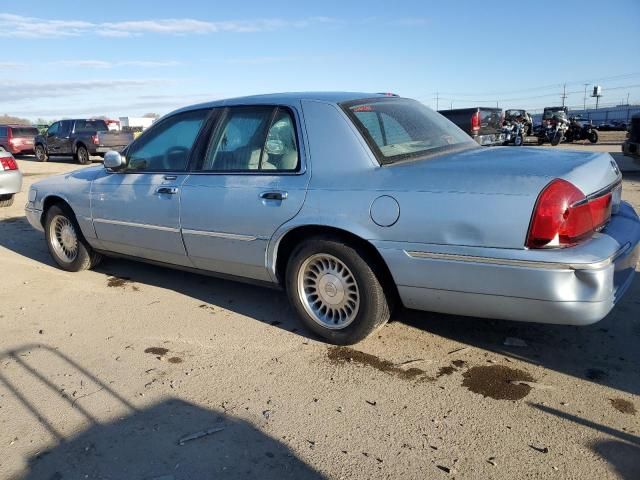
x: 12, y: 91
x: 11, y: 65
x: 32, y: 27
x: 103, y: 64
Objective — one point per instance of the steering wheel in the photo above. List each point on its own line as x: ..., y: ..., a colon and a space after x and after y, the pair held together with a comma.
x: 168, y: 164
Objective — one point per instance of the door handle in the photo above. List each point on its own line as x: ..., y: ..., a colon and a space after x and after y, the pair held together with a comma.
x: 274, y: 195
x: 170, y: 177
x: 167, y: 190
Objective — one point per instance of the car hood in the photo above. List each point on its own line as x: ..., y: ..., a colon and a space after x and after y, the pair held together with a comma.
x: 86, y: 173
x: 506, y: 170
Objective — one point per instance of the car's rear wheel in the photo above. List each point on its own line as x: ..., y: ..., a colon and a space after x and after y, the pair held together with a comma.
x: 336, y: 290
x: 66, y: 244
x: 41, y: 153
x: 6, y: 200
x: 82, y: 155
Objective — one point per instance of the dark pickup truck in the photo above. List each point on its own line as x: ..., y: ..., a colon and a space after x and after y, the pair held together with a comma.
x: 631, y: 145
x: 79, y: 138
x: 484, y: 125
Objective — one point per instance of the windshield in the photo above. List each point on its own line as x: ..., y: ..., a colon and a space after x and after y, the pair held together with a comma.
x: 399, y: 128
x: 553, y: 112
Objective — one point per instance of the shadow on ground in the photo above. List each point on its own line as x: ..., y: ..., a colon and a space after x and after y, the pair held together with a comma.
x: 622, y: 452
x: 606, y: 353
x: 145, y: 443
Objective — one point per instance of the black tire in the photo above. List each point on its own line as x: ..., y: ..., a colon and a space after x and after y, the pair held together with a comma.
x: 518, y: 141
x: 541, y: 140
x: 374, y: 306
x: 85, y: 257
x: 593, y: 136
x: 82, y: 155
x: 41, y: 153
x: 556, y: 138
x: 6, y: 200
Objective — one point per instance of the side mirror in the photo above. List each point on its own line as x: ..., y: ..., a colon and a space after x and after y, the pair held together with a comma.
x: 113, y: 160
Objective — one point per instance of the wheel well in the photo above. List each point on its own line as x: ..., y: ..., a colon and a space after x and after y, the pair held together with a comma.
x: 299, y: 234
x: 78, y: 145
x: 49, y: 202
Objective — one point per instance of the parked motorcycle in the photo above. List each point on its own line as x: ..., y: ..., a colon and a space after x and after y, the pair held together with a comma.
x: 554, y: 125
x: 517, y: 124
x: 580, y: 131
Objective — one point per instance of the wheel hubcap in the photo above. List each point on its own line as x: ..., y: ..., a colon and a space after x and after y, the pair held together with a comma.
x: 328, y: 291
x: 63, y: 238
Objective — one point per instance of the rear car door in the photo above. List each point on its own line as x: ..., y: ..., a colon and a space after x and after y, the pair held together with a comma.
x: 136, y: 211
x: 251, y: 179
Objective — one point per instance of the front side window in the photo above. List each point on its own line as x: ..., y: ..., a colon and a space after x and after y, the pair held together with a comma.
x: 167, y: 146
x: 256, y: 138
x: 53, y: 129
x: 398, y: 129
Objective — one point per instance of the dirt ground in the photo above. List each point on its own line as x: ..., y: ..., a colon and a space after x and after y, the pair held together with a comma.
x: 106, y: 374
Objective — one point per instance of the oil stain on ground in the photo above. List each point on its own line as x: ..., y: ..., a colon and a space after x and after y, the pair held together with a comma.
x: 497, y: 382
x: 115, y: 281
x: 346, y: 355
x: 156, y: 350
x: 622, y: 405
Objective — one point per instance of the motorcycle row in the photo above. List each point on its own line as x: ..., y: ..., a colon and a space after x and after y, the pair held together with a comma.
x: 556, y: 127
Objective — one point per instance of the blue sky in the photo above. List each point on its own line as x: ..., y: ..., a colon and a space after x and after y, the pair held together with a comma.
x: 126, y: 58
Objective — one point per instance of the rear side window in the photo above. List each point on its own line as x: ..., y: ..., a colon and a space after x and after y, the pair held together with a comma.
x: 166, y: 146
x: 3, y: 131
x: 91, y: 126
x: 24, y: 132
x: 398, y: 129
x: 252, y: 139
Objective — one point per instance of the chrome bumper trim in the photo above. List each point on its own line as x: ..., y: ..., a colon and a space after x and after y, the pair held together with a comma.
x: 520, y: 263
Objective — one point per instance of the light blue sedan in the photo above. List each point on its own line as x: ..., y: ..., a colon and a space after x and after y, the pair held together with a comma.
x: 354, y: 203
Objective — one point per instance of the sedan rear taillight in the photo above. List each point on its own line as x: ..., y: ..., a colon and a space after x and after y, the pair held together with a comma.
x: 564, y: 216
x: 475, y: 122
x: 8, y: 163
x: 95, y: 140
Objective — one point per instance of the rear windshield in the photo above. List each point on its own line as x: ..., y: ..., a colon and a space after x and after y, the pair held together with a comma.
x: 91, y: 126
x: 398, y: 128
x: 553, y: 112
x: 24, y: 131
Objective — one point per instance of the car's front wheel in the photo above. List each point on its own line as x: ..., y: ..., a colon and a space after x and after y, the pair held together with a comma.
x: 41, y: 153
x: 66, y: 244
x: 336, y: 290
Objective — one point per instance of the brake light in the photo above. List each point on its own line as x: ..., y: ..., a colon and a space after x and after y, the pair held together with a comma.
x: 563, y: 216
x: 8, y: 163
x: 95, y: 140
x: 475, y: 121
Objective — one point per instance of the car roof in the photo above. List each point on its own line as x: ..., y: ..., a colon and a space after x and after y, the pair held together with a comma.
x: 286, y: 97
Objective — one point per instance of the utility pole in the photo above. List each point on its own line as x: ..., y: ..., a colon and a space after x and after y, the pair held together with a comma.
x: 564, y: 93
x: 437, y: 100
x: 627, y: 99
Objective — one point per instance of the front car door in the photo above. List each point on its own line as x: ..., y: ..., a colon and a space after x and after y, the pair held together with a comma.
x: 136, y: 211
x: 251, y: 179
x: 64, y: 137
x: 53, y: 144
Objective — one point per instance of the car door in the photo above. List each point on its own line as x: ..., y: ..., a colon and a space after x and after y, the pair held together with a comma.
x: 53, y: 143
x: 64, y: 137
x: 136, y: 211
x: 251, y: 179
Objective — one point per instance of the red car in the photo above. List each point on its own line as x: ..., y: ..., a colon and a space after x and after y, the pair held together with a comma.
x: 17, y: 139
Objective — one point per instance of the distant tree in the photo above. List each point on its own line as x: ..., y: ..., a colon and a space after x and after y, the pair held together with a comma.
x: 43, y: 121
x: 6, y: 118
x: 151, y: 115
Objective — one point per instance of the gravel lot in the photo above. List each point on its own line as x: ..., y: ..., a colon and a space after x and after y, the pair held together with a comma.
x: 102, y: 373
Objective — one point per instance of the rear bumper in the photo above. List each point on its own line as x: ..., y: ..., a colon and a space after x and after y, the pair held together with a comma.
x: 22, y: 150
x: 574, y: 286
x: 10, y: 182
x: 631, y: 149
